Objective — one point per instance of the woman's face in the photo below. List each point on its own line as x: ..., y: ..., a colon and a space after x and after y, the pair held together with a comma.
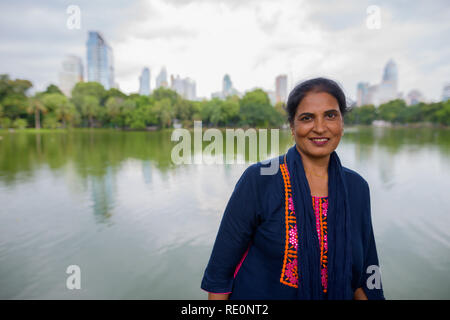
x: 317, y: 116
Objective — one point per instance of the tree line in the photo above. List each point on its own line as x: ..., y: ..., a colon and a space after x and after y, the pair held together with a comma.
x: 397, y: 112
x: 90, y: 105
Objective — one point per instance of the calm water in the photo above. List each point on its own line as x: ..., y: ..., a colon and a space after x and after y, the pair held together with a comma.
x: 140, y: 227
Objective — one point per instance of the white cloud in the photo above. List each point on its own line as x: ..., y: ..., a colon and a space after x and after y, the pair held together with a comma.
x: 252, y: 41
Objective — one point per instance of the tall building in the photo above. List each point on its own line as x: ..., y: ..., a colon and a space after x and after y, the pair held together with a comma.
x: 184, y: 87
x: 414, y: 97
x: 387, y: 90
x: 446, y: 92
x: 227, y: 89
x: 161, y: 79
x: 362, y: 93
x: 100, y: 65
x: 227, y: 85
x: 380, y: 93
x: 281, y: 88
x: 70, y: 74
x: 144, y: 82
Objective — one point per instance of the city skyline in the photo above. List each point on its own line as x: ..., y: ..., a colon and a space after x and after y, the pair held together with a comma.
x: 253, y: 42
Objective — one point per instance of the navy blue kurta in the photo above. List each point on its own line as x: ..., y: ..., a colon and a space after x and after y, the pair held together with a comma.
x: 247, y: 257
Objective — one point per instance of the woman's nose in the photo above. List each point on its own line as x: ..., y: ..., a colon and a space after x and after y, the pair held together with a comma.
x: 319, y: 125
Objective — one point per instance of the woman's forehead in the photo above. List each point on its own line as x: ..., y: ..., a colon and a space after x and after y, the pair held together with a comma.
x: 316, y: 102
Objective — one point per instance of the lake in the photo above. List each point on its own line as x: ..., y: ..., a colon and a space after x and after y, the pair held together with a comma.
x: 140, y: 227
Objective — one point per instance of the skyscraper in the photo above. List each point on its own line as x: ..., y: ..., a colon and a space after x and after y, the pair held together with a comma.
x: 100, y: 66
x: 70, y: 74
x: 362, y: 93
x: 379, y: 93
x: 281, y: 88
x: 227, y: 85
x: 144, y: 82
x: 446, y: 92
x: 161, y: 79
x: 387, y: 90
x: 184, y: 87
x: 414, y: 97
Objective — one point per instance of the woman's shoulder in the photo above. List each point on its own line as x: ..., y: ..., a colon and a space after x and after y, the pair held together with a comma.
x: 354, y: 180
x: 264, y: 170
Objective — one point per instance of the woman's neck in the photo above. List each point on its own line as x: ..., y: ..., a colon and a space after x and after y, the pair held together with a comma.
x: 317, y: 167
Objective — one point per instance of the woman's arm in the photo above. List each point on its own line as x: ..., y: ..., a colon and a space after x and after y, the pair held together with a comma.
x: 238, y: 224
x: 360, y: 294
x: 218, y: 296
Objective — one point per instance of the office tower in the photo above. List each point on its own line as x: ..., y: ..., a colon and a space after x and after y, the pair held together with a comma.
x: 414, y: 97
x: 446, y: 92
x: 161, y: 79
x: 227, y: 86
x: 281, y: 88
x: 190, y: 89
x: 144, y: 82
x: 184, y: 87
x: 70, y: 74
x: 362, y: 94
x: 100, y: 66
x: 380, y: 93
x: 387, y: 90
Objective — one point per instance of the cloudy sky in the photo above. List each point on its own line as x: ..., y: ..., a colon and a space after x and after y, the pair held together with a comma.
x: 252, y: 40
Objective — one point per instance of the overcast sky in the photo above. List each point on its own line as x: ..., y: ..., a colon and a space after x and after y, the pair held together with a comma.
x: 253, y: 41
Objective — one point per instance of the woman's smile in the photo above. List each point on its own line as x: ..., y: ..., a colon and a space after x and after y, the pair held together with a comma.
x: 319, y: 141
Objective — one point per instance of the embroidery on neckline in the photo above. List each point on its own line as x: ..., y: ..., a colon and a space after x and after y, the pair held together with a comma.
x: 289, y: 272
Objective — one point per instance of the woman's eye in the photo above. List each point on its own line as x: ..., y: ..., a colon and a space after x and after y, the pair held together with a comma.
x: 304, y: 119
x: 331, y: 115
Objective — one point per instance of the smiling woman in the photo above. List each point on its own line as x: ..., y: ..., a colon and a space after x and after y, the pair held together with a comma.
x: 306, y: 231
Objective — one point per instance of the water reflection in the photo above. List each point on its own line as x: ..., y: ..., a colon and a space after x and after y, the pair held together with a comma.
x: 114, y: 203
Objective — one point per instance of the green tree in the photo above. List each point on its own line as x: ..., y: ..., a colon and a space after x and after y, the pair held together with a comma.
x: 53, y: 89
x: 443, y: 114
x: 66, y: 113
x: 83, y: 89
x: 255, y: 108
x: 36, y: 106
x: 90, y: 108
x: 393, y: 111
x: 164, y: 93
x: 164, y: 112
x: 230, y: 110
x: 13, y: 96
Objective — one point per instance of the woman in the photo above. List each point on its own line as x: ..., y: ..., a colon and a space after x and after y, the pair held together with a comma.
x: 306, y: 231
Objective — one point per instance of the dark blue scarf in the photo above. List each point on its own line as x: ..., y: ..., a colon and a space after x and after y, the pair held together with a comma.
x: 339, y: 237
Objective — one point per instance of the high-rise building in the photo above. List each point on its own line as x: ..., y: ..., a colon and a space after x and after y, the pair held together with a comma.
x: 227, y: 89
x: 227, y: 85
x: 70, y: 74
x: 190, y: 89
x: 100, y: 65
x: 414, y: 97
x: 362, y: 93
x: 379, y: 93
x: 446, y: 92
x: 144, y: 82
x: 184, y: 87
x: 161, y: 79
x: 387, y: 90
x: 281, y: 88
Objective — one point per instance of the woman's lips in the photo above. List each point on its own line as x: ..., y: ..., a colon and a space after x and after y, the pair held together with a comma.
x: 319, y: 141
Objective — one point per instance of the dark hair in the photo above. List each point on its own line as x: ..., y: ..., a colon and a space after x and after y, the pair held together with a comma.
x: 314, y: 85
